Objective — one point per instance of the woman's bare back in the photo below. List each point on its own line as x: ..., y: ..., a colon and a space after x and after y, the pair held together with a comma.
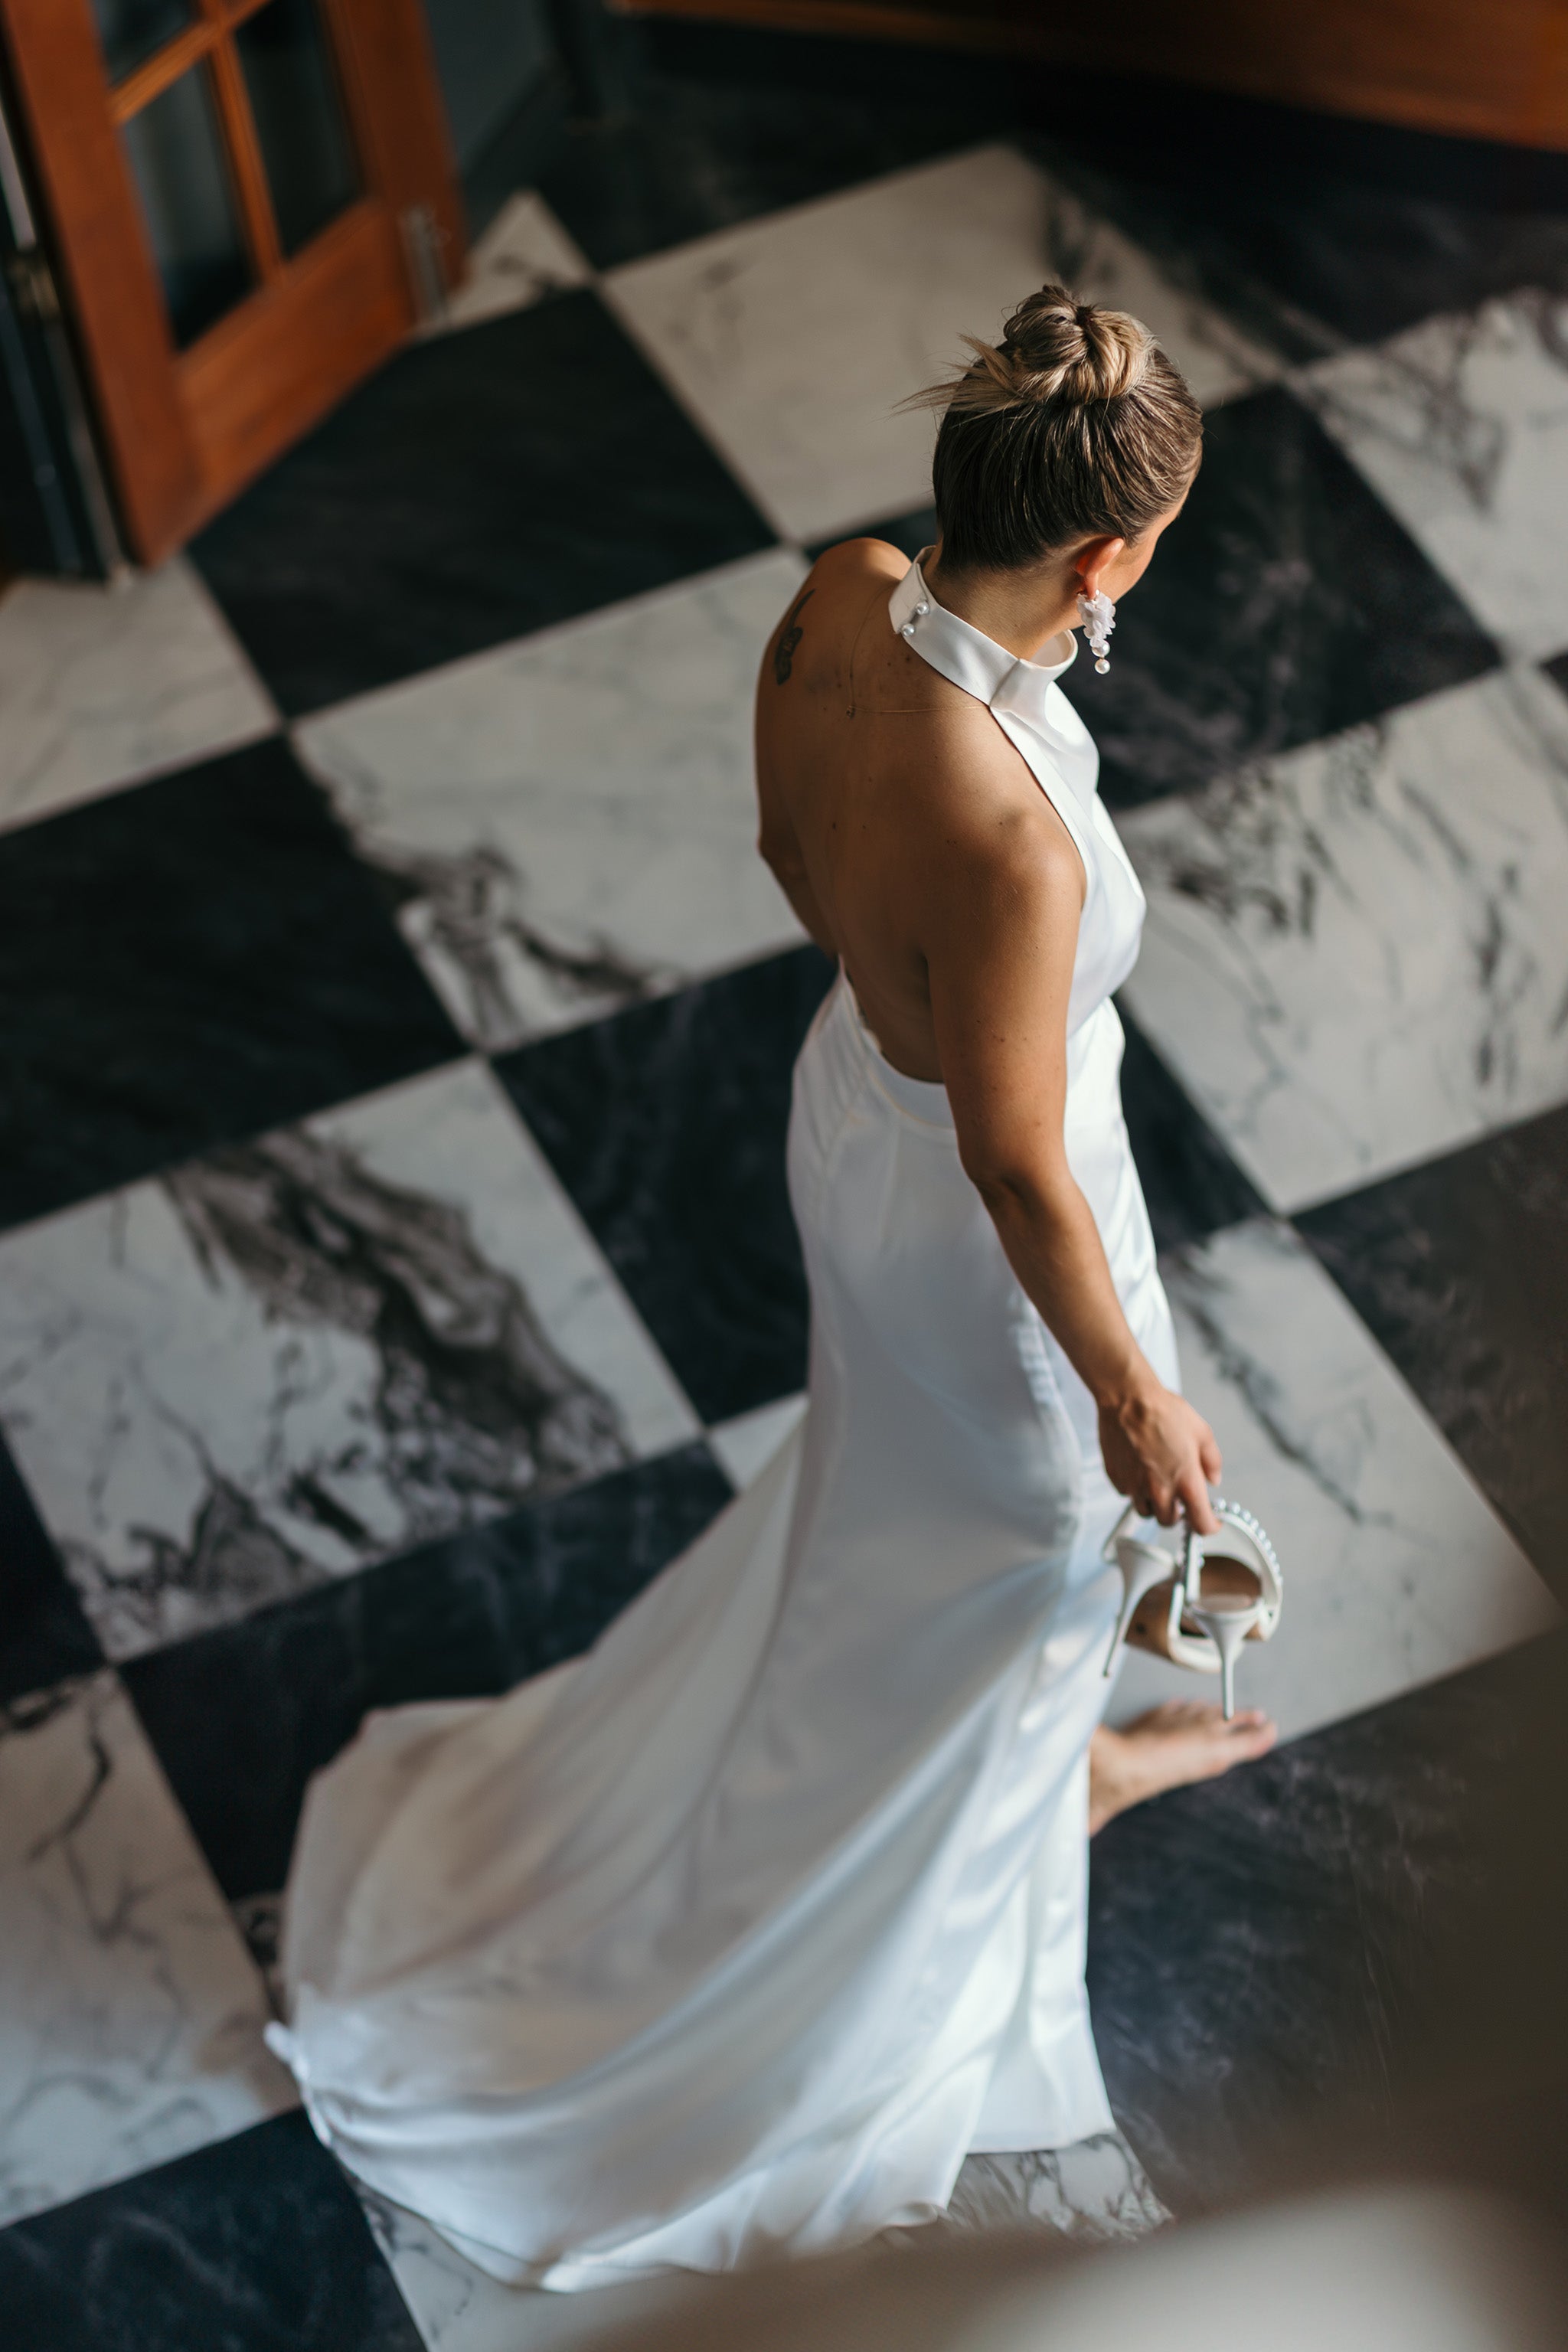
x: 870, y: 769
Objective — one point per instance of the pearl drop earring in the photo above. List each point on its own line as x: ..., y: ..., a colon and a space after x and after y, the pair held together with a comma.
x: 1096, y: 615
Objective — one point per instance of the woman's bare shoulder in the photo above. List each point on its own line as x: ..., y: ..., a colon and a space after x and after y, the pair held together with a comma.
x: 978, y: 798
x: 827, y: 609
x: 855, y: 569
x: 860, y: 559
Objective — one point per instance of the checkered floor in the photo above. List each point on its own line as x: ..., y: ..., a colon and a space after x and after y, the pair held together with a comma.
x: 396, y: 1268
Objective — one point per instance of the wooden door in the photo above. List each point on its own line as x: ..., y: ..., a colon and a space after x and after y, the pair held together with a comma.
x: 250, y: 202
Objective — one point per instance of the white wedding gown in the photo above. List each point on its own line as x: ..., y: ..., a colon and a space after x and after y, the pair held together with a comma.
x: 735, y: 1936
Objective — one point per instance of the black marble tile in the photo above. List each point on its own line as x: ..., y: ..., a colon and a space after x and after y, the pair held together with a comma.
x: 1191, y: 1183
x: 241, y: 1717
x: 185, y: 962
x: 255, y: 2244
x: 910, y: 533
x: 1340, y: 239
x: 725, y: 127
x: 667, y: 1126
x: 1276, y: 1956
x: 1348, y: 230
x: 1283, y: 604
x: 43, y: 1636
x: 482, y: 484
x: 1461, y: 1269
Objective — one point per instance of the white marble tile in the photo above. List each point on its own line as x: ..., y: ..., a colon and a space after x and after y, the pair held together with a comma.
x: 1462, y: 424
x: 792, y: 339
x: 1396, y: 1570
x: 304, y: 1354
x: 99, y: 686
x: 524, y: 255
x: 1094, y: 2191
x: 573, y: 818
x: 458, y: 2308
x: 130, y: 2015
x: 1356, y: 956
x: 747, y: 1445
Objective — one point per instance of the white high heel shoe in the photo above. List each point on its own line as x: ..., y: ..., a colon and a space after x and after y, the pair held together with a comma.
x: 1226, y: 1588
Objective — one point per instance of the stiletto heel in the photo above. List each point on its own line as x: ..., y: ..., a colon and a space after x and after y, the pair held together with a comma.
x: 1227, y: 1620
x: 1142, y: 1565
x: 1226, y: 1589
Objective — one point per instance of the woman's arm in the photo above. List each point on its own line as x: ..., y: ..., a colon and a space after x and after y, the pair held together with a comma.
x: 1001, y: 939
x: 780, y: 850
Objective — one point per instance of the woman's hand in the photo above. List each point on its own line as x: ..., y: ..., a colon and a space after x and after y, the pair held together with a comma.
x: 1162, y: 1456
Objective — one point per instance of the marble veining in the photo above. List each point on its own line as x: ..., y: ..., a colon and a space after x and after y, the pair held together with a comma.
x: 1355, y: 955
x: 130, y: 2015
x: 1462, y: 424
x: 1285, y: 604
x: 1213, y: 250
x: 251, y: 2245
x: 1324, y: 254
x: 701, y: 152
x: 99, y: 686
x: 297, y: 1356
x: 1191, y: 1184
x: 200, y: 958
x: 1093, y: 2191
x: 791, y: 340
x: 1461, y: 1269
x: 43, y: 1636
x: 1396, y: 1570
x: 242, y: 1715
x: 568, y: 824
x: 668, y: 1126
x: 524, y: 256
x: 457, y: 2308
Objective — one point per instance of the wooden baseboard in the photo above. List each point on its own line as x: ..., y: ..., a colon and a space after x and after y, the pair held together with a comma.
x: 1494, y: 70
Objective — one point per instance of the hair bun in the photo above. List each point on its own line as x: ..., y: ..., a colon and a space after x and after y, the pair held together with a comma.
x: 1063, y: 348
x: 1053, y: 348
x: 1075, y: 426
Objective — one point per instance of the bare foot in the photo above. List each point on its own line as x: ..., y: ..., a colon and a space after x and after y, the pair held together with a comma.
x: 1171, y: 1745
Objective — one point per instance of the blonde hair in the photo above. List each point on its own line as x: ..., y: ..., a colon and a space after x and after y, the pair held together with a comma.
x: 1075, y: 425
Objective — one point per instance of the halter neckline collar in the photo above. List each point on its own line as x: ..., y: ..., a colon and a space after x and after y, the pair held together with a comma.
x: 969, y: 657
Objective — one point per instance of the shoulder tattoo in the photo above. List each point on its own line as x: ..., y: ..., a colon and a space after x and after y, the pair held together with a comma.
x: 784, y: 652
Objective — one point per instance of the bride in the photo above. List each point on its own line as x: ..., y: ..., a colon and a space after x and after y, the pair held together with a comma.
x: 737, y: 1936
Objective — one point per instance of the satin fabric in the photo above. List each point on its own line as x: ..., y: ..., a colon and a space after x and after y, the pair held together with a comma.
x: 734, y: 1936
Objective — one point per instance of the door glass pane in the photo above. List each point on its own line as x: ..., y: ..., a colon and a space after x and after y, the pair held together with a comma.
x: 298, y: 119
x: 131, y: 29
x: 177, y: 158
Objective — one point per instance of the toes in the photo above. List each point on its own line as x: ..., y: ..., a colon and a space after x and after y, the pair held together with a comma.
x: 1258, y: 1738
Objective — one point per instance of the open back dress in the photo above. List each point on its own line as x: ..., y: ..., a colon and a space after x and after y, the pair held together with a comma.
x: 735, y: 1936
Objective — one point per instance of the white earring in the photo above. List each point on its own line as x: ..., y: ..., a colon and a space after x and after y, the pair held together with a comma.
x: 1096, y: 615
